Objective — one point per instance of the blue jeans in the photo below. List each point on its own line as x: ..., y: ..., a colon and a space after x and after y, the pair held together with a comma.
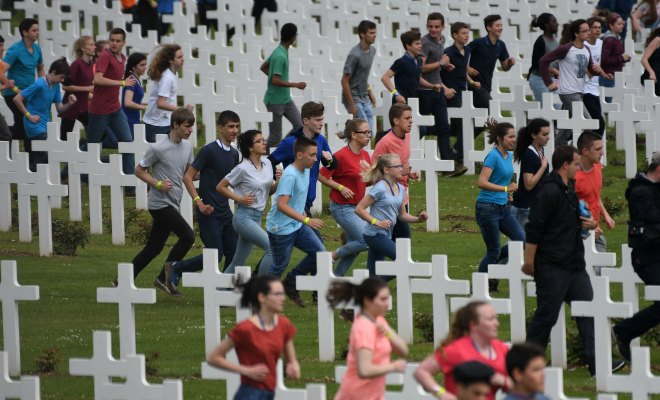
x: 493, y: 219
x: 380, y: 246
x: 119, y: 125
x: 281, y: 247
x: 365, y: 112
x: 353, y: 225
x: 538, y: 87
x: 521, y: 215
x: 608, y: 83
x: 150, y: 132
x: 216, y: 233
x: 247, y: 224
x: 247, y: 392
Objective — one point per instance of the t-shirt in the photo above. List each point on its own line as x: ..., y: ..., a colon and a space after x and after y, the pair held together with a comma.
x: 39, y: 97
x: 293, y: 183
x: 278, y: 64
x: 573, y: 66
x: 462, y: 350
x: 106, y: 98
x: 133, y: 115
x: 347, y: 173
x: 502, y: 174
x: 22, y: 65
x: 433, y: 51
x: 535, y: 396
x: 386, y: 206
x: 167, y: 160
x: 484, y: 55
x: 407, y: 71
x: 165, y: 6
x: 392, y: 144
x: 365, y: 335
x: 358, y: 66
x: 530, y: 163
x: 81, y: 74
x: 456, y: 79
x: 592, y: 86
x: 256, y: 346
x: 542, y: 46
x: 246, y: 179
x: 214, y: 161
x: 165, y: 87
x: 588, y: 186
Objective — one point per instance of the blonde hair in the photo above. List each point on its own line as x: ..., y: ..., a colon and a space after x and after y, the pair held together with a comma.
x: 377, y: 170
x: 351, y: 126
x: 78, y: 45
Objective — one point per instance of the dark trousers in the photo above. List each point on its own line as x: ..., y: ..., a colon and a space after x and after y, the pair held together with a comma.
x: 456, y: 125
x: 432, y: 102
x: 481, y: 99
x: 36, y: 157
x: 202, y: 8
x: 166, y: 220
x: 555, y: 286
x: 401, y: 229
x: 592, y: 104
x: 18, y: 130
x: 216, y: 233
x: 648, y: 269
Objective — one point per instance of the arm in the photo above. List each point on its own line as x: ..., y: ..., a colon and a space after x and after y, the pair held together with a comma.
x: 41, y: 71
x: 484, y: 184
x: 63, y: 107
x: 218, y: 359
x: 531, y: 180
x: 424, y: 374
x: 544, y: 64
x: 366, y: 369
x: 129, y: 103
x: 74, y: 88
x: 278, y: 81
x: 223, y: 189
x: 346, y: 192
x: 406, y: 217
x: 530, y: 255
x: 144, y: 175
x: 387, y: 81
x: 163, y: 104
x: 655, y: 43
x: 507, y: 63
x: 100, y: 80
x: 606, y: 216
x: 284, y: 207
x: 292, y: 365
x: 346, y: 90
x: 398, y: 345
x: 264, y: 68
x: 188, y: 178
x: 361, y: 211
x: 426, y: 84
x: 19, y: 100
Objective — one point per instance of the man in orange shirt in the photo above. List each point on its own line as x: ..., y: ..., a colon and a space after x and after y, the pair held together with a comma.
x: 589, y: 182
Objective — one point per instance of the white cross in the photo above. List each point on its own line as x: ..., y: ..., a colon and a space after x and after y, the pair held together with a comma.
x: 416, y: 148
x: 652, y: 129
x: 439, y: 285
x: 627, y: 116
x: 468, y: 113
x: 27, y: 388
x: 431, y: 164
x: 495, y: 112
x: 548, y: 112
x: 594, y: 258
x: 117, y: 180
x: 652, y: 293
x: 601, y: 309
x: 102, y: 366
x: 126, y: 295
x: 320, y: 283
x: 283, y: 392
x: 641, y: 382
x: 411, y: 388
x: 138, y: 147
x: 480, y: 293
x: 44, y: 190
x: 403, y: 268
x: 136, y: 386
x: 558, y: 354
x: 520, y: 106
x: 577, y: 123
x: 10, y: 293
x: 554, y: 385
x: 93, y: 166
x: 12, y: 170
x: 627, y: 276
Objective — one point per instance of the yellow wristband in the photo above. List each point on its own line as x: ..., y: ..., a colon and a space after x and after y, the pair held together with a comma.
x: 306, y: 220
x: 368, y: 87
x: 340, y: 187
x: 123, y: 83
x: 388, y: 334
x: 27, y: 114
x: 373, y: 221
x: 506, y: 189
x: 440, y: 391
x: 159, y: 184
x: 14, y: 89
x: 196, y: 198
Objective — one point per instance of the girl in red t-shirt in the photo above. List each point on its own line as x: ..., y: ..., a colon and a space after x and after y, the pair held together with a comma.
x: 371, y: 341
x: 472, y: 337
x: 259, y: 340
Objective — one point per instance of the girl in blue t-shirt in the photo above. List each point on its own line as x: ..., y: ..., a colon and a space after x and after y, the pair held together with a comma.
x: 386, y: 203
x: 492, y: 210
x: 132, y: 96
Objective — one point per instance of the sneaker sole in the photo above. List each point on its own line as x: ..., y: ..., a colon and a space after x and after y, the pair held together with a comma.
x: 160, y: 285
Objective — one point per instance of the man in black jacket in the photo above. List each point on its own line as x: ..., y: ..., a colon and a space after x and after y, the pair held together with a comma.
x: 643, y: 195
x: 554, y: 252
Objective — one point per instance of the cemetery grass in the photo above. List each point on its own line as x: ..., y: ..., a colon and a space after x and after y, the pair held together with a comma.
x: 171, y: 332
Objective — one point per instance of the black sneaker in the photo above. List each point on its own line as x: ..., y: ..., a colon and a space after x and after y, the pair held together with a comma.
x: 292, y: 293
x: 617, y: 364
x: 459, y: 169
x: 493, y: 284
x: 172, y: 290
x: 167, y: 268
x: 621, y: 344
x: 161, y: 285
x: 114, y: 282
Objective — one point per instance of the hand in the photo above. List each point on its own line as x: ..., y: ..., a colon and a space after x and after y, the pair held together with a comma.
x: 423, y: 216
x: 399, y: 366
x: 609, y: 76
x: 652, y: 77
x: 382, y: 329
x: 205, y: 209
x: 352, y: 109
x: 190, y: 108
x: 278, y: 174
x: 597, y: 69
x: 364, y: 165
x: 544, y: 162
x: 528, y: 269
x: 588, y: 223
x: 414, y: 175
x: 437, y: 87
x: 400, y: 99
x: 247, y: 200
x: 34, y: 118
x: 257, y: 372
x: 553, y: 86
x: 347, y: 193
x: 472, y: 72
x: 476, y: 84
x: 372, y: 98
x: 90, y: 89
x: 449, y: 92
x: 447, y: 396
x: 130, y: 81
x: 166, y: 186
x: 327, y: 155
x: 444, y: 60
x: 10, y: 83
x: 513, y: 187
x: 498, y: 380
x: 626, y: 58
x: 511, y: 61
x: 315, y: 223
x: 450, y: 67
x: 384, y: 223
x: 598, y: 232
x: 301, y: 85
x: 72, y: 98
x: 609, y: 222
x: 293, y: 369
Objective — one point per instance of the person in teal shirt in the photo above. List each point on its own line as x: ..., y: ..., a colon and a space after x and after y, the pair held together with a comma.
x: 278, y: 94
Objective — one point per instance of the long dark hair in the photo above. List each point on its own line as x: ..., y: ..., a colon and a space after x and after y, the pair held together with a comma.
x: 461, y: 325
x: 496, y: 129
x: 162, y: 60
x: 344, y: 292
x: 654, y: 34
x: 245, y: 142
x: 525, y: 138
x: 252, y: 288
x: 541, y: 21
x: 133, y: 60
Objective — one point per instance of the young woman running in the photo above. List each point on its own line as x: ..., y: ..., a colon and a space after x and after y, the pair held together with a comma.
x: 132, y: 96
x: 544, y: 44
x: 79, y: 82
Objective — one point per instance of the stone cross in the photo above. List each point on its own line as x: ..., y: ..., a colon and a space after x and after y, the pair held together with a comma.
x: 468, y: 113
x: 431, y: 164
x: 627, y: 116
x: 652, y: 293
x: 411, y: 388
x: 593, y: 258
x: 601, y: 309
x: 43, y: 190
x: 512, y: 273
x: 495, y: 111
x: 558, y: 354
x: 627, y: 276
x: 126, y: 295
x: 320, y: 283
x: 577, y: 123
x: 102, y: 366
x: 416, y: 147
x: 554, y: 385
x: 13, y: 169
x: 548, y: 112
x: 283, y: 392
x: 137, y: 147
x: 117, y: 182
x: 10, y: 293
x: 93, y: 166
x: 440, y: 286
x: 641, y: 382
x: 136, y: 386
x: 28, y: 388
x: 53, y: 130
x: 480, y: 293
x: 520, y: 106
x: 403, y: 268
x: 652, y: 129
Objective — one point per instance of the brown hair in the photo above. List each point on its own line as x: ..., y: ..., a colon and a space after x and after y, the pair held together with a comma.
x: 344, y: 291
x: 312, y: 109
x: 351, y: 127
x: 464, y: 317
x: 407, y: 38
x: 78, y: 45
x: 397, y: 110
x: 162, y: 60
x: 496, y: 130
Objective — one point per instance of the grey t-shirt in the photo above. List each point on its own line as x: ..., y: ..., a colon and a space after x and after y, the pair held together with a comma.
x: 246, y: 179
x: 358, y: 66
x: 167, y: 160
x: 433, y: 52
x: 385, y: 207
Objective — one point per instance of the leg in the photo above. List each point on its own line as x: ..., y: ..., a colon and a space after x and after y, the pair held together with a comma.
x: 186, y: 236
x: 442, y: 129
x: 511, y: 228
x: 457, y: 126
x: 209, y: 231
x: 229, y: 238
x: 37, y: 157
x: 550, y: 293
x: 579, y: 289
x: 66, y: 126
x: 365, y: 112
x: 18, y: 131
x: 160, y: 230
x: 601, y: 247
x: 306, y: 240
x: 522, y: 215
x: 353, y: 226
x: 96, y: 127
x: 119, y: 125
x: 488, y: 220
x: 281, y: 247
x: 380, y: 246
x: 592, y: 104
x: 151, y: 131
x: 292, y: 114
x: 538, y: 87
x: 275, y: 126
x: 401, y: 229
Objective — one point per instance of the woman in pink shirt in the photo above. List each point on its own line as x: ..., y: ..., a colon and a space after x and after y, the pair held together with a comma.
x: 371, y: 341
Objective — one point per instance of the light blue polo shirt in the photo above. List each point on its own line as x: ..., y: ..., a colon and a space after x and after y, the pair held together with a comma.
x: 22, y: 65
x: 39, y: 97
x: 292, y: 183
x: 502, y: 173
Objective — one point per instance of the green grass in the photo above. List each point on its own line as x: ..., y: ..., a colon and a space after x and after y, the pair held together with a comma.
x: 67, y: 311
